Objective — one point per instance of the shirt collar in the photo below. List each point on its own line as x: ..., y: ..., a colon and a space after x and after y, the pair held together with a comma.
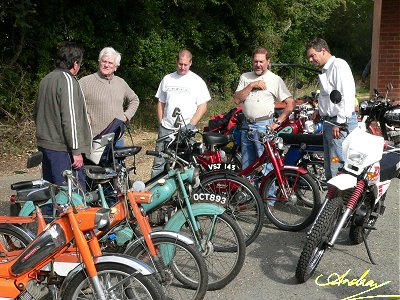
x: 328, y: 64
x: 102, y: 77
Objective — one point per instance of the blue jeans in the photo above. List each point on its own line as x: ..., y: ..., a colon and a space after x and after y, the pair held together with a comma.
x: 333, y: 147
x: 252, y: 149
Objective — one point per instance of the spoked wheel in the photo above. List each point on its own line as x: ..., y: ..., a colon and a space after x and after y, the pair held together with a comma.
x: 316, y: 243
x: 241, y: 200
x: 295, y: 207
x: 116, y: 282
x: 181, y: 269
x: 222, y: 245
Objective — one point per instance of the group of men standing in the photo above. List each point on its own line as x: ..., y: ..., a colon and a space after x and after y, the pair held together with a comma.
x: 69, y: 113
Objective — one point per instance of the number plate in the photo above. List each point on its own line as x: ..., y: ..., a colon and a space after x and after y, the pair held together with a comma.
x: 210, y: 198
x: 222, y: 166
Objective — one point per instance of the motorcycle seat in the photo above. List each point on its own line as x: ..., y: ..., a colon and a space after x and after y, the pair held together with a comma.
x: 126, y: 151
x: 297, y: 139
x: 99, y: 173
x: 216, y: 139
x: 36, y: 194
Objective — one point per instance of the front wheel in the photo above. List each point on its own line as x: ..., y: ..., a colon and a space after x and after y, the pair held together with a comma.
x: 241, y: 200
x: 316, y: 243
x: 179, y: 265
x: 294, y: 205
x: 221, y: 242
x: 117, y: 281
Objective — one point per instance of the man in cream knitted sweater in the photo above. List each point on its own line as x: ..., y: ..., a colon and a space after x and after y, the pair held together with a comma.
x: 106, y: 93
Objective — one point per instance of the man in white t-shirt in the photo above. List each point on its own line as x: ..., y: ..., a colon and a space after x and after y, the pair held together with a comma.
x: 183, y: 89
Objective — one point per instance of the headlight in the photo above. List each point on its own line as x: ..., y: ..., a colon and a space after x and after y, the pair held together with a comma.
x: 102, y: 220
x: 279, y: 142
x: 355, y: 157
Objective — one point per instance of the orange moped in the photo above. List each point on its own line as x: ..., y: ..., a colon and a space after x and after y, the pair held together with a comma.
x: 28, y: 273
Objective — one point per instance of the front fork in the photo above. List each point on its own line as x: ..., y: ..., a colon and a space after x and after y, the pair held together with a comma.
x: 351, y: 204
x: 193, y: 223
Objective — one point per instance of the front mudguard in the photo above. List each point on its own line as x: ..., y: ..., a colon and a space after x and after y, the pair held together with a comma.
x: 198, y: 209
x: 167, y: 251
x: 114, y: 258
x: 343, y: 181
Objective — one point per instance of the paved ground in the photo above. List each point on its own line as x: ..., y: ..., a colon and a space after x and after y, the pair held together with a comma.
x: 271, y: 260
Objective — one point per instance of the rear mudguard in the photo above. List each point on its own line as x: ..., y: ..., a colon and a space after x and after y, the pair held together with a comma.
x: 167, y: 251
x: 28, y: 207
x: 114, y: 258
x: 198, y: 209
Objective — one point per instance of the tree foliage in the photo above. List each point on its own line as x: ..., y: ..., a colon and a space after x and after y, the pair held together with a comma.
x: 220, y: 33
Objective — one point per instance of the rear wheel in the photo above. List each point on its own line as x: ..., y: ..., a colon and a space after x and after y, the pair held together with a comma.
x: 316, y: 243
x: 241, y: 200
x: 295, y: 206
x: 181, y: 269
x: 221, y: 242
x: 358, y: 226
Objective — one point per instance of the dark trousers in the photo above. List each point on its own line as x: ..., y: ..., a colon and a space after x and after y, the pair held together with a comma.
x: 55, y: 162
x: 53, y: 165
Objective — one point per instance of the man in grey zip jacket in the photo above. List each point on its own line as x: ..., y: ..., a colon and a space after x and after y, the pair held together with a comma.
x: 63, y: 132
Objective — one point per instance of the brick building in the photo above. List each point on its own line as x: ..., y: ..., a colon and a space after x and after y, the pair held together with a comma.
x: 385, y: 53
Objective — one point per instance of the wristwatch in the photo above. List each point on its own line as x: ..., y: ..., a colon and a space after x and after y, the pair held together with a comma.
x: 277, y: 122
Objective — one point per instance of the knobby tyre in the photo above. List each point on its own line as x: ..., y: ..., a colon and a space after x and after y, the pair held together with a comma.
x: 301, y: 206
x: 222, y: 246
x: 316, y: 243
x: 242, y: 201
x: 113, y: 279
x: 184, y: 272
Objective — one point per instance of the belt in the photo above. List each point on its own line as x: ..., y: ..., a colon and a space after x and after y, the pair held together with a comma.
x: 334, y: 117
x: 329, y: 118
x: 250, y: 120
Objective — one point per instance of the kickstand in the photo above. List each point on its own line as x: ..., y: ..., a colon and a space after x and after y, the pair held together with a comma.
x: 366, y: 247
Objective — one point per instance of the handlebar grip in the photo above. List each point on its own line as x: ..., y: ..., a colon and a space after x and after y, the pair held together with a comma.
x: 153, y: 153
x: 22, y: 185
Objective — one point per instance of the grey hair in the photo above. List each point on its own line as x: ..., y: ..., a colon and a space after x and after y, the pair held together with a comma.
x: 111, y: 52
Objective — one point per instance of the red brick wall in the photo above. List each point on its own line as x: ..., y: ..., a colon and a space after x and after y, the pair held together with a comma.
x: 389, y: 48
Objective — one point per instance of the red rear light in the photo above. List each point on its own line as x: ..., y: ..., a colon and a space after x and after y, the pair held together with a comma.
x: 13, y: 198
